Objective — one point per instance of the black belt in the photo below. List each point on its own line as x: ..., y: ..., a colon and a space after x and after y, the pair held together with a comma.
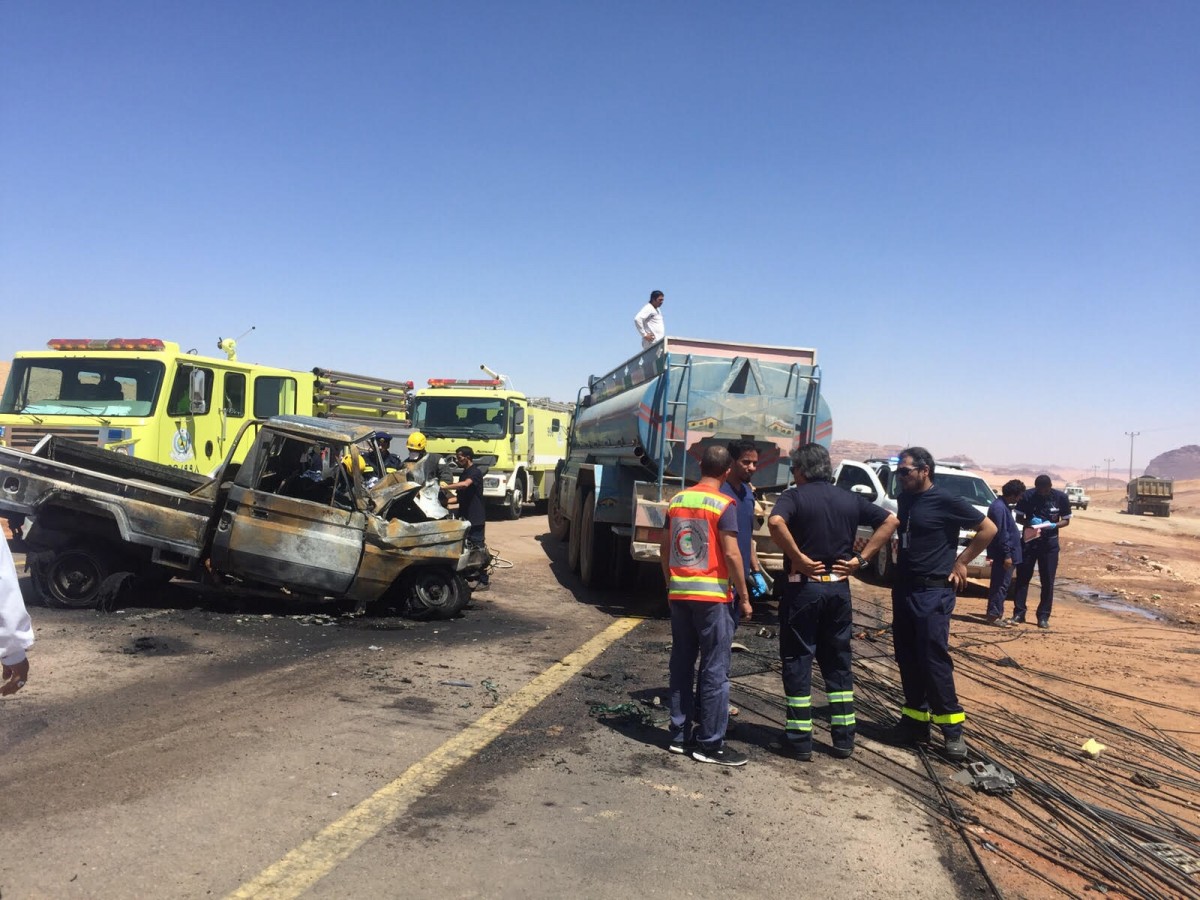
x: 924, y: 581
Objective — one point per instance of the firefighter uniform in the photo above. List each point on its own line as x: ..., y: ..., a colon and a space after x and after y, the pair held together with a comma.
x: 701, y: 627
x: 922, y: 601
x: 815, y: 614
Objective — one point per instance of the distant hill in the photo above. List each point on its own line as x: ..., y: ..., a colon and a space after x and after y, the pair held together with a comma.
x: 1179, y: 464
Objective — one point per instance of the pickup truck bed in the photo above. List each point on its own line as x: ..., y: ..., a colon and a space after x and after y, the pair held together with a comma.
x: 149, y: 504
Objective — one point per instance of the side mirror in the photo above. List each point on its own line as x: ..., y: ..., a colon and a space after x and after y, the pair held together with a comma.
x: 863, y: 489
x: 198, y: 406
x: 519, y: 420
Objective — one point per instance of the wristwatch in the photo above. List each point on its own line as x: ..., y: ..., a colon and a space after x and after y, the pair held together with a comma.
x: 862, y: 563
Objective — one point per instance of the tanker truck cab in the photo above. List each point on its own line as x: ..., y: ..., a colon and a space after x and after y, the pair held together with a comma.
x: 517, y: 440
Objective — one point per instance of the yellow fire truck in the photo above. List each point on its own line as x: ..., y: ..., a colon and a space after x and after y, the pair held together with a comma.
x: 517, y: 440
x: 146, y: 398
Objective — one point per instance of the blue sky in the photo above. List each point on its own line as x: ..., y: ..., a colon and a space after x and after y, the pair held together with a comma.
x: 985, y: 217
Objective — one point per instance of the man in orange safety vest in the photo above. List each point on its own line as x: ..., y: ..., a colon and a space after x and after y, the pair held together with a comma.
x: 700, y: 559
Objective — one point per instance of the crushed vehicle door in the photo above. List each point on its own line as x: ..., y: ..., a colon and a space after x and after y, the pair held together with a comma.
x: 267, y: 533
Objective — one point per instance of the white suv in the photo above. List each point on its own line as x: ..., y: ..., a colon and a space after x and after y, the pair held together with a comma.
x: 876, y: 480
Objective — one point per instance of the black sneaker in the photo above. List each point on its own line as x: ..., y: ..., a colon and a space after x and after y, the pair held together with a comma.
x: 680, y: 745
x: 1044, y: 624
x: 724, y: 756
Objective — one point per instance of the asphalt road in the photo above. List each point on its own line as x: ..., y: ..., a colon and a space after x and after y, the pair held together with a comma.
x: 185, y: 748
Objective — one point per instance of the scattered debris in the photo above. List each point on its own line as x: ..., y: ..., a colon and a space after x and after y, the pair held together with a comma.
x: 492, y: 688
x: 629, y: 712
x: 1174, y: 856
x: 987, y: 777
x: 739, y: 647
x: 588, y: 673
x: 373, y: 647
x: 766, y: 633
x: 1144, y: 780
x: 456, y: 682
x: 1093, y: 748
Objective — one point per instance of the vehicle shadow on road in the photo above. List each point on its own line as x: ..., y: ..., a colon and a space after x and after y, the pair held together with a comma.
x: 642, y: 595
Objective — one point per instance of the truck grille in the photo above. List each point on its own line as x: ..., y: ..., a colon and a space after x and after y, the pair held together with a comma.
x: 25, y: 437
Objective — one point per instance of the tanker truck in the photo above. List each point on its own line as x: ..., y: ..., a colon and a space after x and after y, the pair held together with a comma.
x: 638, y: 434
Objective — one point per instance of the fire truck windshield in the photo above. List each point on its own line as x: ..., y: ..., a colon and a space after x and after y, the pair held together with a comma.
x: 460, y: 417
x: 82, y: 387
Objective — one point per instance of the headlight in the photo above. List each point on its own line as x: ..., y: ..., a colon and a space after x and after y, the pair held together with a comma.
x: 491, y: 482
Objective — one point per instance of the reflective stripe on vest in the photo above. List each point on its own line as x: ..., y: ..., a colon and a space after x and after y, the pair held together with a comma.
x: 697, y: 564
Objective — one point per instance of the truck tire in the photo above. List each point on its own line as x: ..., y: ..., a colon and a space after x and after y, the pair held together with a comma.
x: 881, y: 565
x: 434, y: 592
x: 72, y: 577
x: 576, y: 528
x: 595, y: 547
x: 560, y: 525
x: 512, y: 507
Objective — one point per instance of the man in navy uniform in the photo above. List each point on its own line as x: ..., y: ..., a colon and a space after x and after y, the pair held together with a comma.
x: 928, y: 574
x: 815, y: 524
x: 1004, y: 551
x: 1043, y: 511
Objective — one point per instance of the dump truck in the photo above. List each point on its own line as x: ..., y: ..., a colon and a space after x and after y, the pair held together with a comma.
x: 518, y: 441
x: 296, y: 519
x: 1149, y: 494
x: 150, y: 399
x: 638, y: 434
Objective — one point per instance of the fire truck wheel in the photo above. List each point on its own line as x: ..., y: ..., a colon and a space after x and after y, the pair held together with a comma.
x: 73, y: 576
x: 512, y: 509
x: 560, y: 525
x: 434, y: 593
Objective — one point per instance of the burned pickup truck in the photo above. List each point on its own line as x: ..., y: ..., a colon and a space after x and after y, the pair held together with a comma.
x: 301, y: 516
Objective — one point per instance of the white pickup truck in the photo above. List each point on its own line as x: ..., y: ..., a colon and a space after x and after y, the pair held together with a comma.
x: 876, y: 480
x: 1075, y: 493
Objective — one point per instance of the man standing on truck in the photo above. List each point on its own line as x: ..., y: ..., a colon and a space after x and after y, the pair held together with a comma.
x: 470, y: 502
x: 815, y: 524
x: 1043, y: 511
x: 1004, y: 551
x: 927, y: 576
x: 649, y: 320
x: 699, y: 557
x: 16, y: 631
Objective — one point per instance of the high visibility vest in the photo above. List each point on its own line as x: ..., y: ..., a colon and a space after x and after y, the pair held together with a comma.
x: 698, y: 568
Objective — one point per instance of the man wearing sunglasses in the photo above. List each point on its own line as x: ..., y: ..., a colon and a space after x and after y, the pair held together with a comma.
x: 928, y: 574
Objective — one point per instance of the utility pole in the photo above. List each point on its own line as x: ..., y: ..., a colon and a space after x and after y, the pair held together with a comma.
x: 1131, y: 435
x: 1094, y: 476
x: 1108, y: 460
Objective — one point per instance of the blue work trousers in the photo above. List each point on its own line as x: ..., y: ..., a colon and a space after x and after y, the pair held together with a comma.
x: 998, y: 587
x: 700, y: 630
x: 921, y: 638
x: 1044, y: 554
x: 815, y: 622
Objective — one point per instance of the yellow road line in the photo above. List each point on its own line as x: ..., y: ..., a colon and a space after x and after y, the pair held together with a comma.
x: 318, y: 856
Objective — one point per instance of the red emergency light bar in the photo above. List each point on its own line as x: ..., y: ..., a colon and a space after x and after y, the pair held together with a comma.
x: 469, y: 382
x: 105, y: 344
